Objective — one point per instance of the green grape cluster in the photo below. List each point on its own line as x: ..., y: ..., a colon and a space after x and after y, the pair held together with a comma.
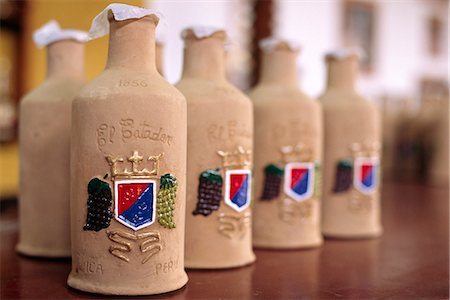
x: 165, y: 204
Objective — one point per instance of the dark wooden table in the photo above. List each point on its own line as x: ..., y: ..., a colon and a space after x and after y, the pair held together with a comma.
x: 410, y: 261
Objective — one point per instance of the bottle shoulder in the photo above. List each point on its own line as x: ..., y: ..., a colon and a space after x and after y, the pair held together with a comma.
x: 276, y: 96
x: 344, y: 100
x: 361, y: 110
x: 200, y: 90
x: 54, y: 90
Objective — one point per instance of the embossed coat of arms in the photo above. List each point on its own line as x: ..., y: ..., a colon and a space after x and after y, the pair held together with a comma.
x: 359, y: 175
x: 137, y: 202
x: 296, y: 178
x: 236, y: 193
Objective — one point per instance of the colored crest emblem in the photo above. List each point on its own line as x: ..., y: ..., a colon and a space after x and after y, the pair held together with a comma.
x: 299, y: 181
x: 237, y: 193
x: 365, y: 174
x: 135, y: 202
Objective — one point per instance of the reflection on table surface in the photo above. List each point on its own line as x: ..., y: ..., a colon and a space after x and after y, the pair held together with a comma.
x: 409, y: 260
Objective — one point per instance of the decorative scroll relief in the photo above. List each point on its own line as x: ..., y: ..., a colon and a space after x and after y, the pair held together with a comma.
x: 234, y: 226
x: 147, y: 243
x: 289, y: 211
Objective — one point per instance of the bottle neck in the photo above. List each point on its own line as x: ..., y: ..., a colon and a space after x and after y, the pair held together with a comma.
x: 160, y: 58
x: 65, y: 59
x: 204, y: 58
x: 132, y: 44
x: 280, y: 67
x: 342, y: 73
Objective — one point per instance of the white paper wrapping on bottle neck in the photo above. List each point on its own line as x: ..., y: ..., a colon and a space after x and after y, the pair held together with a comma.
x: 51, y: 32
x: 341, y: 54
x: 269, y: 44
x: 121, y: 12
x: 202, y: 32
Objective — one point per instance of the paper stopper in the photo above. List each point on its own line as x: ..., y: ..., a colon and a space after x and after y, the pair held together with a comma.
x: 51, y: 32
x: 121, y: 12
x: 270, y: 44
x: 201, y: 32
x: 341, y: 54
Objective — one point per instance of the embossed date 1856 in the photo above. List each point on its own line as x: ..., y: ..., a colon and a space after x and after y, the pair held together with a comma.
x: 133, y: 83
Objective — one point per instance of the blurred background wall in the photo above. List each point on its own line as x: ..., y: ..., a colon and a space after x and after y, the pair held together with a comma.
x: 405, y: 70
x: 69, y: 14
x: 23, y: 65
x: 399, y: 37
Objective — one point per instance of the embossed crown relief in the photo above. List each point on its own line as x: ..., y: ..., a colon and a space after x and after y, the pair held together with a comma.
x: 141, y: 196
x: 300, y: 178
x: 236, y: 168
x: 358, y: 175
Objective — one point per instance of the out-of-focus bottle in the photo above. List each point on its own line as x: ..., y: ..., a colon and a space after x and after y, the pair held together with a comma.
x: 288, y: 154
x: 220, y: 130
x: 44, y: 140
x: 352, y: 130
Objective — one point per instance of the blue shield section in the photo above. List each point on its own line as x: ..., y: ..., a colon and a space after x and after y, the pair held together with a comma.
x: 365, y: 174
x: 301, y: 186
x: 299, y: 180
x: 237, y: 189
x: 240, y: 198
x: 135, y: 203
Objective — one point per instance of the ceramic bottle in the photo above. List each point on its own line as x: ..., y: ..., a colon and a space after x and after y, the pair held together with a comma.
x: 220, y: 131
x: 44, y: 139
x: 128, y: 168
x: 288, y: 140
x: 160, y: 57
x: 352, y: 130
